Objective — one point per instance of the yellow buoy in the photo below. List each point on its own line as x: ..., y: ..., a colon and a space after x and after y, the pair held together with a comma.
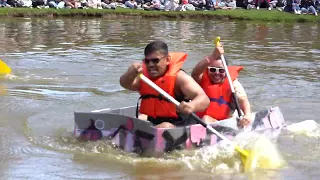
x: 4, y: 68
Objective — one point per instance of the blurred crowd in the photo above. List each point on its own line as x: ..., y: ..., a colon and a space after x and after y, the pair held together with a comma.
x: 294, y: 6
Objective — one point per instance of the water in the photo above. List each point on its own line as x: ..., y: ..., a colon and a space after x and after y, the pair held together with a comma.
x: 67, y: 65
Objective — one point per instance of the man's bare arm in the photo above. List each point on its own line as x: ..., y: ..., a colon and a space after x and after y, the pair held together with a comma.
x: 198, y: 70
x: 192, y: 90
x: 129, y: 80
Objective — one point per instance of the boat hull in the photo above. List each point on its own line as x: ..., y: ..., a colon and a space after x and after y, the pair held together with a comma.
x: 135, y: 135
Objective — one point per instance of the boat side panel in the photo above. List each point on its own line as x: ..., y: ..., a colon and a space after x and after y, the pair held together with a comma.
x: 270, y: 118
x: 129, y: 111
x: 128, y: 133
x: 134, y: 135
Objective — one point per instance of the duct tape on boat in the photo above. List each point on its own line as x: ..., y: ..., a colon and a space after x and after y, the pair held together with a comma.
x: 99, y: 124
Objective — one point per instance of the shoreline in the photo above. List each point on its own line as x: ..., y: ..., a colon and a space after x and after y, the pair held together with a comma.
x: 237, y: 14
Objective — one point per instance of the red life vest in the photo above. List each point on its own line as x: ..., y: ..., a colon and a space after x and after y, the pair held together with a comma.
x: 152, y: 103
x: 220, y: 95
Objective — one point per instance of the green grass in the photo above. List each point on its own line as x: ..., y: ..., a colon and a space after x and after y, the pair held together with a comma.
x: 238, y: 14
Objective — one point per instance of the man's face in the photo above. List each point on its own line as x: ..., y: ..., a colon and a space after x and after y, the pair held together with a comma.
x: 156, y: 64
x: 216, y: 71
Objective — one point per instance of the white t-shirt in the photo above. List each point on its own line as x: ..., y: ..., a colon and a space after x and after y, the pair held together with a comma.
x: 238, y: 89
x: 239, y: 92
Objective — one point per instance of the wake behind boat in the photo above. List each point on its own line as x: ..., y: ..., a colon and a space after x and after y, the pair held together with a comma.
x: 134, y: 135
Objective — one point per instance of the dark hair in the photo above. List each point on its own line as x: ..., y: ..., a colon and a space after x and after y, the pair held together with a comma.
x: 156, y: 46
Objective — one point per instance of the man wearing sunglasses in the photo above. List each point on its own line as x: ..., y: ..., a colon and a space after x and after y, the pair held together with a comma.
x: 211, y: 76
x: 164, y: 69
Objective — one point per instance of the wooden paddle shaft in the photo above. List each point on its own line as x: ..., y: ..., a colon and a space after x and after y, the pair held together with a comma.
x: 100, y: 110
x: 235, y: 100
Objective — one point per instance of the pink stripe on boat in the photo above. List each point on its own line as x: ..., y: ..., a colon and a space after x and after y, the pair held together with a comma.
x: 197, y: 132
x: 188, y: 144
x: 266, y: 122
x: 159, y: 140
x: 214, y: 139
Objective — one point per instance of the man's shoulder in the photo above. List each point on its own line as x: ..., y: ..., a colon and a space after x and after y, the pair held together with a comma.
x: 182, y: 77
x: 182, y: 73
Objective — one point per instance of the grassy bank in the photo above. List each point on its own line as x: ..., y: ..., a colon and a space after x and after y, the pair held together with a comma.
x: 238, y: 14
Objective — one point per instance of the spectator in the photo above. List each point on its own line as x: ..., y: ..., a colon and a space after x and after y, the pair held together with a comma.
x: 260, y: 3
x: 38, y: 3
x: 230, y: 4
x: 198, y: 4
x: 317, y: 4
x: 154, y: 5
x: 3, y: 3
x: 108, y: 4
x: 247, y: 4
x: 132, y: 4
x: 296, y: 6
x: 58, y: 4
x: 95, y: 4
x: 293, y: 6
x: 308, y: 6
x: 23, y: 3
x: 273, y: 3
x: 172, y: 5
x: 71, y: 4
x: 225, y: 4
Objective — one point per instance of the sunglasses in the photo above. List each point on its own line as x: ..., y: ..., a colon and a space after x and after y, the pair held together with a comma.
x: 215, y: 69
x: 154, y: 60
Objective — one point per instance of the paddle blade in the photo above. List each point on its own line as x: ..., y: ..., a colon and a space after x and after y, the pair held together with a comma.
x: 217, y: 41
x: 244, y: 158
x: 243, y: 154
x: 262, y: 155
x: 4, y: 68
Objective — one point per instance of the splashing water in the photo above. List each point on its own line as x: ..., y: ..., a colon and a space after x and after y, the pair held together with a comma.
x: 214, y: 159
x: 308, y: 128
x: 11, y: 77
x: 263, y: 154
x: 221, y: 158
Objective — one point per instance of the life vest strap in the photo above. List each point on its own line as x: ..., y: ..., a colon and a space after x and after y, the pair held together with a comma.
x: 147, y: 96
x: 159, y: 120
x: 221, y: 101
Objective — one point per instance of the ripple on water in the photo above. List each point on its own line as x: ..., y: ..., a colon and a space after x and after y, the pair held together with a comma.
x: 8, y: 148
x: 12, y: 146
x: 64, y: 93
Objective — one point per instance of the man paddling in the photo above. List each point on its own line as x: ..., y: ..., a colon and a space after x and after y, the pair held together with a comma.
x: 164, y: 69
x: 211, y: 76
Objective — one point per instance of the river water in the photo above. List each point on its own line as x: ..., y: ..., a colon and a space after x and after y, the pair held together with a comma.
x: 74, y: 64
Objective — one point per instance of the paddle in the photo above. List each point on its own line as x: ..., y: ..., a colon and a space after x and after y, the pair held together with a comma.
x: 217, y: 43
x: 100, y: 110
x: 244, y: 153
x: 4, y: 68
